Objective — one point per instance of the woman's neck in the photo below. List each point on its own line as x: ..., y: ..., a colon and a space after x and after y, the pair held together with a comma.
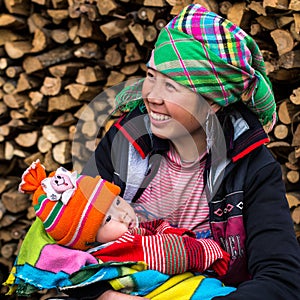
x: 190, y: 147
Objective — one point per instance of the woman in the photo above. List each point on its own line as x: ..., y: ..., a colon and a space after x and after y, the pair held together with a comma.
x: 193, y: 152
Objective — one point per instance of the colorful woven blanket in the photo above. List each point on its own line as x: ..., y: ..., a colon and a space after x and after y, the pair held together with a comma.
x: 48, y: 265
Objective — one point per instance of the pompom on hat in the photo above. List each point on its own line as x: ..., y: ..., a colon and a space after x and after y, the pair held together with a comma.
x: 72, y: 220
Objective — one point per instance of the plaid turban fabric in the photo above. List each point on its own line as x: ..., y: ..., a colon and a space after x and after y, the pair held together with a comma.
x: 215, y: 58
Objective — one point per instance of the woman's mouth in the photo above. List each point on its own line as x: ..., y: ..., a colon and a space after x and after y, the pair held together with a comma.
x: 159, y: 117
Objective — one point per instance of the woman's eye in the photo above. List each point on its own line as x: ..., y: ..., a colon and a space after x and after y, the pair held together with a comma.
x: 118, y: 201
x: 170, y: 86
x: 107, y: 219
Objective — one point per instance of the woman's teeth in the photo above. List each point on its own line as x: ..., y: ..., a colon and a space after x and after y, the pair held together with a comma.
x: 159, y: 117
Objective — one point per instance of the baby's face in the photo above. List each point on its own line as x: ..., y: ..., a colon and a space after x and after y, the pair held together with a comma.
x: 119, y: 218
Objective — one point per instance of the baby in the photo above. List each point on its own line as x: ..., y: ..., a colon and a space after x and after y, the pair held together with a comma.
x: 82, y: 212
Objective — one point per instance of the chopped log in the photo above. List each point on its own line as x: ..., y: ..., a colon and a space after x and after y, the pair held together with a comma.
x: 7, y: 35
x: 296, y: 137
x: 130, y: 69
x: 27, y: 82
x: 295, y: 96
x: 294, y: 5
x: 35, y: 63
x: 88, y: 50
x: 83, y: 92
x: 15, y: 202
x: 62, y: 152
x: 115, y: 28
x: 115, y: 78
x: 8, y: 250
x: 66, y: 69
x: 27, y: 139
x: 281, y: 131
x: 51, y: 86
x: 15, y: 100
x: 44, y: 145
x: 113, y: 57
x: 267, y: 22
x: 58, y: 15
x: 278, y: 4
x: 257, y: 7
x: 283, y: 39
x: 10, y: 21
x: 55, y: 134
x: 13, y: 71
x: 239, y: 14
x: 286, y: 111
x: 138, y: 32
x: 290, y: 60
x: 132, y: 53
x: 62, y: 103
x: 106, y: 6
x: 41, y: 40
x: 90, y: 75
x: 293, y: 176
x: 36, y: 21
x: 293, y: 199
x: 64, y: 120
x: 17, y: 49
x: 296, y: 215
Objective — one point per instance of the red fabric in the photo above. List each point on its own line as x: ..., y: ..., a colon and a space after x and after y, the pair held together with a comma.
x: 166, y: 249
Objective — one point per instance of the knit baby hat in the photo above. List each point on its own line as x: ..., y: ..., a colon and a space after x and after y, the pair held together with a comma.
x: 71, y: 219
x: 215, y: 58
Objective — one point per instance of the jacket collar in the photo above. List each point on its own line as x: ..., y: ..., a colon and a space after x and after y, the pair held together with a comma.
x: 239, y: 140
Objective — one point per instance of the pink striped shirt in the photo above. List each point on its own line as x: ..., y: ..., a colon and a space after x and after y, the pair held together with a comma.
x: 176, y: 193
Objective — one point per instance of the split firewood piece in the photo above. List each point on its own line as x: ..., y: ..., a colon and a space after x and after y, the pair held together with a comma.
x: 160, y: 23
x: 115, y: 78
x: 41, y: 40
x: 9, y: 86
x: 295, y: 31
x: 90, y: 75
x: 155, y: 3
x: 296, y: 215
x: 294, y: 5
x: 12, y: 22
x: 13, y: 71
x: 62, y: 152
x: 283, y: 39
x: 67, y: 69
x: 51, y: 86
x: 290, y: 60
x: 278, y: 4
x: 88, y: 50
x: 211, y: 5
x: 85, y: 29
x: 35, y: 63
x: 293, y: 176
x: 55, y: 134
x: 239, y: 14
x: 7, y: 183
x: 26, y: 82
x: 106, y: 6
x: 138, y: 32
x: 27, y: 139
x: 113, y: 57
x: 295, y: 96
x: 286, y: 111
x: 293, y: 199
x: 296, y: 137
x: 2, y: 207
x: 130, y: 69
x: 15, y: 202
x: 281, y: 131
x: 115, y: 28
x: 150, y: 33
x: 65, y: 120
x: 257, y: 7
x: 9, y: 219
x: 49, y: 163
x: 132, y: 53
x: 15, y: 100
x: 17, y: 49
x: 44, y: 145
x: 58, y: 15
x: 60, y: 36
x: 89, y: 129
x: 7, y: 35
x: 83, y: 92
x: 36, y: 21
x: 267, y: 22
x: 284, y: 21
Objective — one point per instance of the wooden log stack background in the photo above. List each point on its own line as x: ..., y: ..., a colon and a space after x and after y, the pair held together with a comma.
x: 56, y: 56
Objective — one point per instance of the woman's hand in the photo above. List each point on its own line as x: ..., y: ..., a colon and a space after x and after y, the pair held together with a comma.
x: 113, y: 295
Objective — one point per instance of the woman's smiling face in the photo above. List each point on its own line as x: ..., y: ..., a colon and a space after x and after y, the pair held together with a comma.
x: 174, y: 110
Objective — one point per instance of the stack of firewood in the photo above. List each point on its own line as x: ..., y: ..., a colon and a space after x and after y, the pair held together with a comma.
x: 62, y: 62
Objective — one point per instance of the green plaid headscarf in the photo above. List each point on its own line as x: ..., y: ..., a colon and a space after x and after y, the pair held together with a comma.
x: 217, y: 59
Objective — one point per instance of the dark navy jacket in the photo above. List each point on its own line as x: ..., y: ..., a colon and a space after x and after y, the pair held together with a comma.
x: 249, y: 214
